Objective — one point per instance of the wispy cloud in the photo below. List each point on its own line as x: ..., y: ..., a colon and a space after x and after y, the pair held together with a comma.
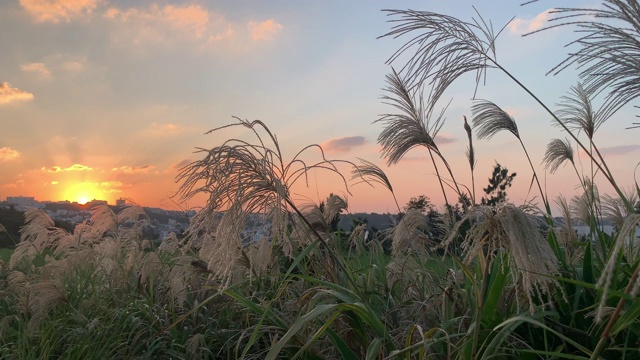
x: 617, y: 150
x: 9, y: 94
x: 39, y: 69
x: 442, y: 139
x: 141, y: 169
x: 265, y: 30
x: 344, y: 144
x: 74, y: 167
x: 7, y: 153
x: 164, y: 129
x: 519, y: 26
x: 55, y: 11
x: 14, y: 185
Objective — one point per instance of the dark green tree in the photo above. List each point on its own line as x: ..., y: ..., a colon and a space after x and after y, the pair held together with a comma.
x: 499, y: 182
x: 421, y: 203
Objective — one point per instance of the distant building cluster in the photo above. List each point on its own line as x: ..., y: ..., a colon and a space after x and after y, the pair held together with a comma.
x: 162, y: 222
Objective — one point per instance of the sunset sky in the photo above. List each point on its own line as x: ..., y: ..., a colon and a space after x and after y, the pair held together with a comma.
x: 108, y: 98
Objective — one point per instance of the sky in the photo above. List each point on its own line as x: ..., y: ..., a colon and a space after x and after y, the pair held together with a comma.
x: 102, y: 99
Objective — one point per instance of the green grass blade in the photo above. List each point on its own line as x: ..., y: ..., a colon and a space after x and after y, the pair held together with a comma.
x: 374, y: 349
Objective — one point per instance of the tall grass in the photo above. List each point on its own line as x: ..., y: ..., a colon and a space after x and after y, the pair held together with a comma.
x: 470, y: 282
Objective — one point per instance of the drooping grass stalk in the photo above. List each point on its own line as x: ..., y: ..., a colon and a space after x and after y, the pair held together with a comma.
x: 448, y: 48
x: 490, y: 119
x: 369, y: 172
x: 412, y: 126
x: 435, y: 166
x: 560, y: 123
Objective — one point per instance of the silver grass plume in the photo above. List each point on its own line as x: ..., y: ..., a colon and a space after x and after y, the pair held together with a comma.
x: 489, y: 119
x: 509, y: 228
x: 34, y: 236
x: 222, y: 252
x: 45, y: 294
x: 529, y: 253
x: 261, y: 259
x: 253, y: 176
x: 357, y: 238
x: 445, y: 49
x: 567, y: 234
x: 408, y: 236
x: 577, y: 113
x: 334, y: 206
x: 583, y: 206
x: 614, y: 209
x: 558, y: 151
x: 608, y: 49
x: 169, y: 244
x: 626, y: 232
x: 411, y: 126
x: 369, y: 173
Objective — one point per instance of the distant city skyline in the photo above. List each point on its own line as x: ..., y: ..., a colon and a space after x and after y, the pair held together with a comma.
x: 102, y: 99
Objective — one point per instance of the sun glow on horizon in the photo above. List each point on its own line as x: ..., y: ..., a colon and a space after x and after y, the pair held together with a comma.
x: 82, y: 193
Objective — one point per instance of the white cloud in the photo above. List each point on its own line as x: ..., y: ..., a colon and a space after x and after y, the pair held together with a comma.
x: 9, y: 94
x: 266, y: 30
x: 521, y: 26
x: 7, y: 153
x: 58, y: 10
x: 39, y: 69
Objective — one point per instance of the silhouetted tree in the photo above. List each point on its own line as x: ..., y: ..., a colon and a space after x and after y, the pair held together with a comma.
x: 499, y: 182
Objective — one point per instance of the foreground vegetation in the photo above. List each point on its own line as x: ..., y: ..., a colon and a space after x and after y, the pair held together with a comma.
x: 482, y: 278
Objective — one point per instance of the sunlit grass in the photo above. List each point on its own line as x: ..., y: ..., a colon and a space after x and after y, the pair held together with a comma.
x: 476, y: 279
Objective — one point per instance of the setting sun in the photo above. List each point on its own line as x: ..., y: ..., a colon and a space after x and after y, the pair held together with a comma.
x: 82, y: 193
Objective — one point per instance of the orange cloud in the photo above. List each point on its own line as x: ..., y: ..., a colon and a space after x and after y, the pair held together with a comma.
x: 74, y: 167
x: 266, y: 30
x: 58, y: 10
x: 7, y: 153
x: 156, y: 23
x: 521, y: 26
x: 9, y: 94
x: 143, y: 169
x: 36, y: 68
x: 110, y: 186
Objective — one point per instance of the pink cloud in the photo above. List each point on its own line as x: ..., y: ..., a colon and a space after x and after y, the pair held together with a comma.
x: 9, y: 94
x: 521, y: 26
x: 36, y: 68
x: 344, y: 144
x: 443, y: 139
x: 266, y: 30
x: 58, y: 10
